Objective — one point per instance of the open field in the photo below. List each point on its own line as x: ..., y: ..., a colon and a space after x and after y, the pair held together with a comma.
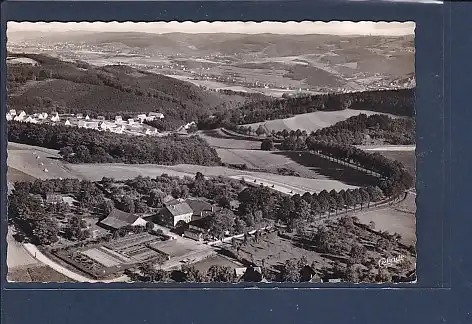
x: 256, y: 159
x: 36, y: 162
x: 332, y: 177
x: 311, y: 121
x: 219, y: 140
x: 14, y: 175
x: 295, y: 188
x: 399, y: 218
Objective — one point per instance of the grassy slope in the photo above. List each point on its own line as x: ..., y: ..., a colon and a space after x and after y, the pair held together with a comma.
x: 311, y: 121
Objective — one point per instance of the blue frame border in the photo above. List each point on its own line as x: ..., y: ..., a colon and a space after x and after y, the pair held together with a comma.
x: 439, y: 145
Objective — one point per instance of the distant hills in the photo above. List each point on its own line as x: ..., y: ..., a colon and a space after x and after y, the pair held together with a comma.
x: 71, y: 87
x: 222, y: 43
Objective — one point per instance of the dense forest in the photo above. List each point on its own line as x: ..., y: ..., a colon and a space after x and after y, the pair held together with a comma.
x: 398, y: 102
x: 80, y: 145
x: 78, y: 87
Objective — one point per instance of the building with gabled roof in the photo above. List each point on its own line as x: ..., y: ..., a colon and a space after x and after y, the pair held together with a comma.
x: 55, y: 118
x: 156, y: 115
x: 117, y: 219
x: 249, y: 274
x: 176, y: 211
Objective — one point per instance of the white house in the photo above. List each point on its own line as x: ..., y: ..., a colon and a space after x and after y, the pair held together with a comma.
x: 55, y: 118
x: 176, y: 211
x: 79, y: 116
x: 87, y: 117
x: 130, y: 121
x: 42, y: 116
x: 141, y: 117
x: 30, y: 119
x: 12, y: 112
x: 21, y: 116
x: 118, y: 119
x: 103, y: 125
x: 93, y: 125
x: 156, y: 115
x: 118, y: 130
x: 67, y: 123
x: 189, y: 125
x: 9, y: 116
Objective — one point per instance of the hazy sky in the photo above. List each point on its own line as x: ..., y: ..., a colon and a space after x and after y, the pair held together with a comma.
x: 291, y: 28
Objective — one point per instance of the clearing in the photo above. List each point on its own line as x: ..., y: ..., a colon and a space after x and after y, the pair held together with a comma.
x: 312, y: 121
x: 218, y: 139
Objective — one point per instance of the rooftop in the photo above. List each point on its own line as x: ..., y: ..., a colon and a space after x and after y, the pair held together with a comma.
x: 118, y: 218
x: 178, y: 209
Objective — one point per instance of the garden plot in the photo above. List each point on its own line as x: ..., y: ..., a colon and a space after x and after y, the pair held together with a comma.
x: 101, y: 257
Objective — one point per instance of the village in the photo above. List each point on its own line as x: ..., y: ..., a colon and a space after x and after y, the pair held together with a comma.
x: 132, y: 126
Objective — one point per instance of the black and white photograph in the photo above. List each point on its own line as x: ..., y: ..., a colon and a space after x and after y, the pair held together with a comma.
x: 211, y: 152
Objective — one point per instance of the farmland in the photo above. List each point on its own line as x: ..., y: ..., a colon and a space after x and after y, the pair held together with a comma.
x: 399, y: 218
x: 310, y: 121
x: 25, y: 161
x: 219, y: 140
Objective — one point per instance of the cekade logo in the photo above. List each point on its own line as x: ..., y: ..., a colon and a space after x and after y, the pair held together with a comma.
x: 386, y: 262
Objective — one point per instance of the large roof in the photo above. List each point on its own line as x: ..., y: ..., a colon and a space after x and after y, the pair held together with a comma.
x: 179, y: 209
x: 198, y: 205
x: 118, y: 219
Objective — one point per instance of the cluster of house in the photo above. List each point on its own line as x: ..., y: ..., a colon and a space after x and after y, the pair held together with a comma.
x: 118, y: 125
x: 174, y: 213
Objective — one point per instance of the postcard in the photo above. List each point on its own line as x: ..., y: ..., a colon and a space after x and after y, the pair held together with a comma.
x: 211, y: 152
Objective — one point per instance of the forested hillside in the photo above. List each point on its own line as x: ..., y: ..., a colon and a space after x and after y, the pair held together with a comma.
x: 79, y: 87
x: 357, y: 130
x: 398, y: 102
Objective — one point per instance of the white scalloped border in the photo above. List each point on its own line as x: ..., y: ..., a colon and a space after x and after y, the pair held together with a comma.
x: 335, y: 27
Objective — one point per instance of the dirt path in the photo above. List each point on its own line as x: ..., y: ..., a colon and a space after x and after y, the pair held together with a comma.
x: 401, y: 148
